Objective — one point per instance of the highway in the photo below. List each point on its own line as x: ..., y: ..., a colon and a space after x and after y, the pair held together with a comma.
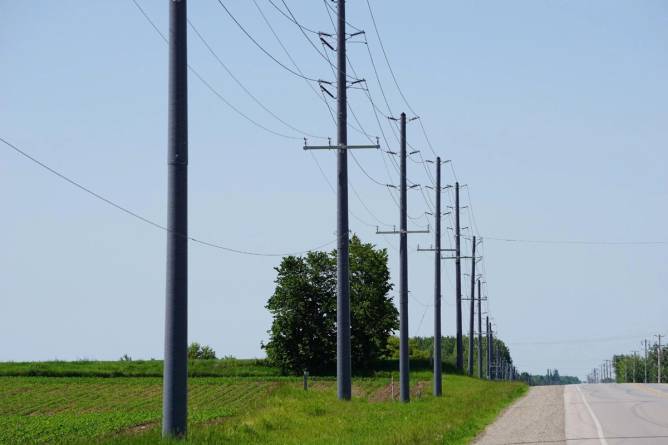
x: 601, y: 414
x: 616, y: 414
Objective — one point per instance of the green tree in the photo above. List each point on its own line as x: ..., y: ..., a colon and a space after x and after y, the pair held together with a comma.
x: 373, y: 315
x: 200, y: 352
x: 303, y: 332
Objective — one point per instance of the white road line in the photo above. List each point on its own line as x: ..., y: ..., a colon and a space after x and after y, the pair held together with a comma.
x: 599, y: 430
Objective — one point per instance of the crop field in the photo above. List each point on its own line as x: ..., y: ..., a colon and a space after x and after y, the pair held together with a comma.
x: 48, y: 409
x: 138, y: 368
x: 127, y: 410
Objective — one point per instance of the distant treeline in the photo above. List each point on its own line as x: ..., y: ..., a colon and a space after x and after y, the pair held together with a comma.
x: 633, y: 368
x: 423, y: 348
x: 551, y: 377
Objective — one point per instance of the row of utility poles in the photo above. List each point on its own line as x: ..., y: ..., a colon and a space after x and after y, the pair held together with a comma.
x: 605, y: 373
x: 176, y: 309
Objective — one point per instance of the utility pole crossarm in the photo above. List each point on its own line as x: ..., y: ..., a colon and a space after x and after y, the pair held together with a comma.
x: 341, y: 147
x: 432, y: 249
x: 399, y: 232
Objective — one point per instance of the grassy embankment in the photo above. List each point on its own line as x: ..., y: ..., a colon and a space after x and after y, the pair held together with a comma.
x: 256, y: 405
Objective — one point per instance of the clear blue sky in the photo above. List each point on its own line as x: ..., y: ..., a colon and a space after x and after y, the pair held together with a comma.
x: 554, y: 113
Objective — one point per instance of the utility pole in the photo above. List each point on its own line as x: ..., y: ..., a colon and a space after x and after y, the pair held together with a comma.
x: 175, y: 372
x: 479, y: 331
x: 489, y: 348
x: 635, y: 359
x: 493, y: 353
x: 403, y: 272
x: 458, y: 282
x: 658, y: 358
x: 644, y: 343
x: 608, y: 374
x: 472, y: 307
x: 438, y: 360
x: 343, y: 359
x: 404, y: 388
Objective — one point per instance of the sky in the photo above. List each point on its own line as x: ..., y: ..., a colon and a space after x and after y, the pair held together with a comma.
x: 553, y: 114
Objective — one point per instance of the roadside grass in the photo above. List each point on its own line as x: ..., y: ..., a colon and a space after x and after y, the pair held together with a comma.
x: 248, y: 410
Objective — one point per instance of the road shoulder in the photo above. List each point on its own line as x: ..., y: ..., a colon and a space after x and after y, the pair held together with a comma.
x: 538, y: 417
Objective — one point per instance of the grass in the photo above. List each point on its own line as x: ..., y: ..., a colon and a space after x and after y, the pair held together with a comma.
x: 247, y: 410
x: 229, y: 367
x: 138, y: 368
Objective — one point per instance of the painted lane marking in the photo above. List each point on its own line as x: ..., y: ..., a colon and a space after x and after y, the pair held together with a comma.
x: 599, y: 430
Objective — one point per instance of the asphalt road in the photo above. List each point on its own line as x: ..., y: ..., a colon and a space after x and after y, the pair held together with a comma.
x: 603, y: 414
x: 616, y: 414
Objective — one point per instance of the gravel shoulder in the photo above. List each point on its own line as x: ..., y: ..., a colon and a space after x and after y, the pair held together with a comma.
x: 536, y: 418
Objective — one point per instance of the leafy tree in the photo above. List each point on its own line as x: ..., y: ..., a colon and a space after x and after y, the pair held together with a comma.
x: 373, y: 315
x: 201, y: 352
x: 303, y: 332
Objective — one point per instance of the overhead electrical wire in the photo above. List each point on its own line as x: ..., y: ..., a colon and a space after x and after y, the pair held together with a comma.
x: 387, y: 60
x: 210, y: 87
x: 143, y: 218
x: 394, y: 77
x: 267, y: 53
x: 330, y: 8
x: 581, y: 242
x: 292, y: 19
x: 243, y: 87
x: 323, y: 54
x: 375, y: 108
x: 331, y: 113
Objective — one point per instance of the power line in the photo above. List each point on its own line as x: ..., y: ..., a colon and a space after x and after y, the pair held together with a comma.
x: 576, y: 340
x: 387, y: 60
x: 302, y: 29
x: 394, y: 77
x: 209, y: 86
x: 292, y: 19
x: 243, y: 87
x: 330, y: 8
x: 252, y: 39
x: 144, y: 219
x: 603, y: 243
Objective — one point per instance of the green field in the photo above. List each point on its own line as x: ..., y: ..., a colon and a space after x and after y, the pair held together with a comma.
x: 254, y: 409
